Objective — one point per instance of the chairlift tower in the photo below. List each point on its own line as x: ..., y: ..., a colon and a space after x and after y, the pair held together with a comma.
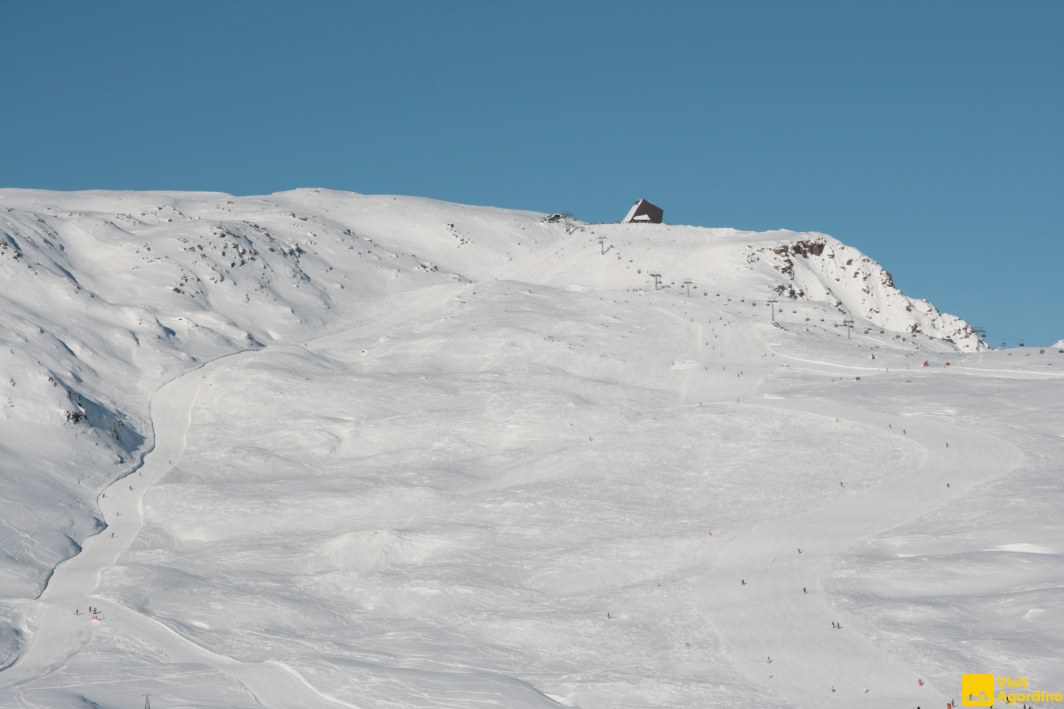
x: 567, y: 219
x: 848, y: 324
x: 602, y: 244
x: 772, y: 305
x: 657, y: 280
x: 687, y: 284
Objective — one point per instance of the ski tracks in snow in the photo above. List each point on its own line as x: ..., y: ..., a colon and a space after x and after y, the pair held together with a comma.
x: 775, y: 613
x: 771, y: 612
x: 63, y: 625
x: 61, y: 612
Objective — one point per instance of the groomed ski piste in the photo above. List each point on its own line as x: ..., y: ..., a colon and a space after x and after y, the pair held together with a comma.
x: 319, y: 449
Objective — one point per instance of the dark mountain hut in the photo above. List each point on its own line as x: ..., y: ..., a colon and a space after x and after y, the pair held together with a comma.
x: 643, y: 212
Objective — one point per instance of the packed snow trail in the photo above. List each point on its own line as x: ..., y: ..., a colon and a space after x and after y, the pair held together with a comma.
x: 63, y: 620
x: 64, y: 624
x: 415, y: 304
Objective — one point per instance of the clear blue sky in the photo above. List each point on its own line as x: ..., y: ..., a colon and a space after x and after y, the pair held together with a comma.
x: 928, y: 134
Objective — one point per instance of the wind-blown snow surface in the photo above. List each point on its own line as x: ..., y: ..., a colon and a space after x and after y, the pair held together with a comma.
x: 382, y: 451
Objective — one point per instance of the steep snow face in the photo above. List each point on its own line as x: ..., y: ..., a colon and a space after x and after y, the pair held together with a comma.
x: 822, y: 268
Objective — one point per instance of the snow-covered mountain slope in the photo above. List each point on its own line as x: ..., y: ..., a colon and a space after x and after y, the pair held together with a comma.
x: 107, y: 295
x: 382, y: 451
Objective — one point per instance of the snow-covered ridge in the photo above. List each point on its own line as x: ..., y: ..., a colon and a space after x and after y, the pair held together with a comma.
x: 820, y: 267
x: 783, y: 265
